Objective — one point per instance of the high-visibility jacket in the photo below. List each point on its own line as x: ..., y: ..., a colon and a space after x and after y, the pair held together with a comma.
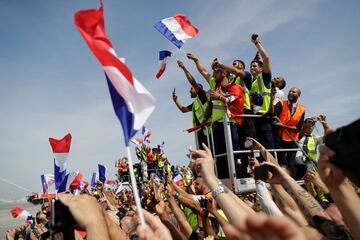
x: 259, y: 87
x: 246, y: 92
x: 219, y: 109
x: 310, y: 147
x: 198, y: 113
x: 285, y: 119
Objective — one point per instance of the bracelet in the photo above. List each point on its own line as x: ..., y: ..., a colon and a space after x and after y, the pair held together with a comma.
x: 220, y: 188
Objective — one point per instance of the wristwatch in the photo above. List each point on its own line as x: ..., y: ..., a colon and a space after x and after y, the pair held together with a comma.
x: 220, y: 188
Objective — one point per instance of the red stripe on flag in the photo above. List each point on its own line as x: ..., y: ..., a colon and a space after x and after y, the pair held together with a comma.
x: 186, y: 25
x: 61, y: 145
x: 90, y: 24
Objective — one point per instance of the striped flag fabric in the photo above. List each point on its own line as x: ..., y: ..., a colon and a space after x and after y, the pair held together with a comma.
x: 164, y: 57
x: 46, y: 181
x: 177, y: 29
x: 178, y: 179
x: 93, y: 179
x: 137, y: 141
x: 21, y: 213
x: 102, y: 173
x: 70, y: 182
x: 61, y: 149
x: 146, y: 133
x: 133, y: 104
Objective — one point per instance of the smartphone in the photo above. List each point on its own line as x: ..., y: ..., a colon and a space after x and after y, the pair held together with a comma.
x: 61, y: 220
x: 261, y: 173
x: 203, y: 203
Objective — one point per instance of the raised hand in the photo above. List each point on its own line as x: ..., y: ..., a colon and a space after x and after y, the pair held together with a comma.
x: 174, y: 95
x: 192, y: 56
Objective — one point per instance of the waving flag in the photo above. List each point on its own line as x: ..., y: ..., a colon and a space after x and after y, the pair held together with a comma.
x: 137, y: 141
x: 21, y: 213
x: 102, y: 173
x: 61, y: 150
x: 177, y: 29
x: 46, y: 181
x: 70, y: 182
x: 146, y: 133
x: 164, y: 56
x: 132, y: 103
x: 178, y: 179
x: 93, y: 179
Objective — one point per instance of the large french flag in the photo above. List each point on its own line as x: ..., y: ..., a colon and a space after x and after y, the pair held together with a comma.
x: 133, y: 104
x: 177, y: 29
x: 61, y: 148
x: 164, y: 57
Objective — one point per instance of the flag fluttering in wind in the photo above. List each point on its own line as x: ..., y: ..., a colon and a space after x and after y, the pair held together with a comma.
x: 61, y: 149
x: 102, y: 173
x: 93, y: 179
x: 146, y: 133
x: 70, y: 182
x: 177, y: 29
x: 132, y: 103
x: 164, y: 57
x: 137, y: 141
x: 178, y: 179
x: 46, y: 181
x: 21, y: 213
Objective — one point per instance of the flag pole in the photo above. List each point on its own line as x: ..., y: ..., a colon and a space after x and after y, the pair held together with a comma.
x: 135, y: 190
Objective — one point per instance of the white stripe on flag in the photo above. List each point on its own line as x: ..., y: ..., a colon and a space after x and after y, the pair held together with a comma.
x: 175, y: 28
x: 60, y: 160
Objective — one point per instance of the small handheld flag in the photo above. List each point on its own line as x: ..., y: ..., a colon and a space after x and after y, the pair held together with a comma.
x: 177, y: 29
x: 102, y: 173
x: 164, y: 56
x: 61, y: 148
x: 146, y: 133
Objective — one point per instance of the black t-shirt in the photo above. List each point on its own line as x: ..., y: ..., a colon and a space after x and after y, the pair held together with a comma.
x: 202, y: 96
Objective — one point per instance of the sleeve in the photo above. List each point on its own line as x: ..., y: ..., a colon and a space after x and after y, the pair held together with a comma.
x: 267, y: 79
x: 266, y: 201
x: 202, y: 96
x: 300, y: 123
x: 248, y: 80
x: 277, y: 109
x: 190, y: 106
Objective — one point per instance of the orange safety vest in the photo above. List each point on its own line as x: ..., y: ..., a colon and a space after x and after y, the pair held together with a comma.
x: 286, y: 120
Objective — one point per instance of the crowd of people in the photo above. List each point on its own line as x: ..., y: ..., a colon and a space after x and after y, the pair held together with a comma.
x: 191, y: 202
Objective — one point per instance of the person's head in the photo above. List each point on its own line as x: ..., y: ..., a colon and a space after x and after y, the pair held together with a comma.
x: 193, y: 94
x: 200, y: 186
x: 309, y: 125
x: 256, y: 67
x: 330, y: 229
x: 279, y: 82
x: 294, y: 94
x: 239, y: 64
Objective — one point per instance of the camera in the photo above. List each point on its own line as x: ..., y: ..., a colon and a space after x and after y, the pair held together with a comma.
x: 254, y: 36
x: 249, y: 144
x: 61, y: 219
x: 345, y: 141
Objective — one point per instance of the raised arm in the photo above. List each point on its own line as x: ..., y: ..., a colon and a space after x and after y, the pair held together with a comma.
x: 188, y: 75
x: 181, y: 107
x: 233, y: 70
x: 303, y: 199
x: 264, y: 55
x: 201, y: 68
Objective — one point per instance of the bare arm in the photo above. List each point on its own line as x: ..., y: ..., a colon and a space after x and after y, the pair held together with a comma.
x: 180, y: 217
x: 341, y: 191
x: 233, y: 70
x: 188, y: 75
x: 264, y: 55
x: 181, y: 107
x: 201, y: 68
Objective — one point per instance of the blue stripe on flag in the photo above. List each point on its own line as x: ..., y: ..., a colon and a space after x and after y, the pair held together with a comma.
x: 44, y: 184
x: 59, y: 176
x: 62, y: 186
x: 102, y: 173
x: 168, y: 34
x: 163, y: 54
x: 93, y: 180
x: 125, y: 117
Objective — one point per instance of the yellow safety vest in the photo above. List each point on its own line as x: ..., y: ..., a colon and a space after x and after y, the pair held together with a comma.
x: 198, y: 112
x: 259, y: 87
x: 311, y: 148
x: 246, y: 92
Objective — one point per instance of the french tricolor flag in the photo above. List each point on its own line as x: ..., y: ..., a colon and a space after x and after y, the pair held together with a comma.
x: 132, y: 103
x: 21, y: 213
x: 93, y: 179
x: 70, y: 182
x: 178, y: 179
x: 146, y: 133
x: 46, y: 181
x: 102, y: 173
x: 164, y: 57
x: 177, y: 29
x: 137, y: 141
x: 61, y: 148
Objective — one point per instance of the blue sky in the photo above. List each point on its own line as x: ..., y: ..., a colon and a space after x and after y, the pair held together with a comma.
x: 51, y: 84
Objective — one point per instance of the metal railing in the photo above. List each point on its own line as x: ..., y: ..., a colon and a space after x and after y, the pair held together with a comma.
x: 229, y: 147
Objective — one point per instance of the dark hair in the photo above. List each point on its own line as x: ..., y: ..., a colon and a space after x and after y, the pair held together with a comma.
x: 242, y: 62
x: 283, y: 84
x: 200, y: 86
x: 330, y: 229
x: 258, y: 62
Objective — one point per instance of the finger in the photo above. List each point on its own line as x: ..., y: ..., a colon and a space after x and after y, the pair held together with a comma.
x: 206, y: 148
x: 66, y: 199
